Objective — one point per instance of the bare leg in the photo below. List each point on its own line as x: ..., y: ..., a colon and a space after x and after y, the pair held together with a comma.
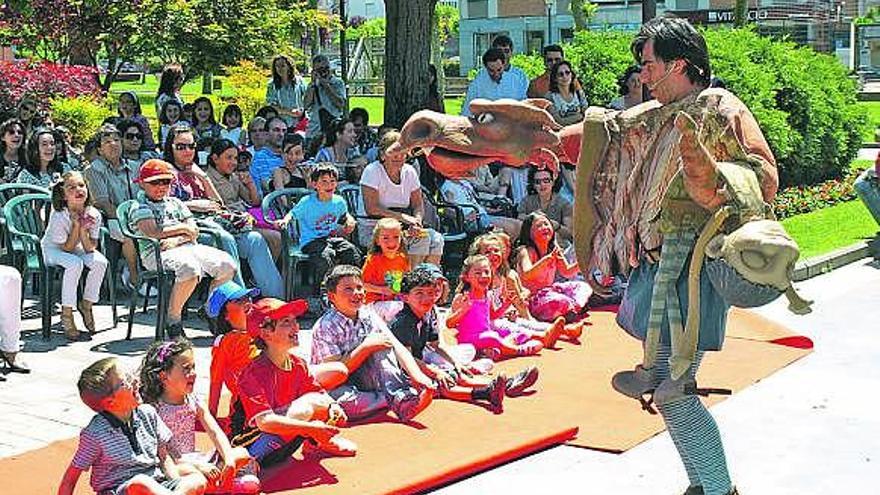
x: 129, y: 252
x: 434, y: 259
x: 180, y: 292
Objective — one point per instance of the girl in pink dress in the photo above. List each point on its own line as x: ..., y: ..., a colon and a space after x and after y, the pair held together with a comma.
x: 539, y: 262
x: 167, y: 379
x: 480, y: 322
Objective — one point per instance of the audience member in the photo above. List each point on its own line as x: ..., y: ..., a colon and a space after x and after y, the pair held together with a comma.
x: 257, y: 134
x: 630, y: 89
x: 386, y: 262
x: 130, y: 109
x: 232, y: 122
x: 568, y: 103
x: 286, y: 90
x: 170, y: 83
x: 342, y: 149
x: 544, y: 196
x: 125, y: 445
x: 269, y: 157
x: 390, y: 187
x: 165, y: 218
x: 204, y: 122
x: 12, y: 150
x: 170, y: 115
x: 462, y: 193
x: 492, y: 82
x: 435, y: 101
x: 513, y: 183
x: 42, y: 167
x: 354, y: 334
x: 324, y: 100
x: 294, y: 172
x: 71, y: 242
x: 28, y: 115
x: 366, y: 139
x: 540, y: 86
x: 133, y: 148
x: 10, y: 320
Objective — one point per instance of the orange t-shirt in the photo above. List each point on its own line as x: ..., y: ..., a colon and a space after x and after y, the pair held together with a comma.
x: 230, y: 355
x: 383, y: 270
x: 540, y: 86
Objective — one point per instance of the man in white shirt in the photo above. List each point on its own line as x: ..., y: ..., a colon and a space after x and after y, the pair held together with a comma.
x: 497, y: 79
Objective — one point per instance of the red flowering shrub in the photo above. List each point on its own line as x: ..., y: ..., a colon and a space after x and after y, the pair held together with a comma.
x: 804, y: 199
x: 43, y: 81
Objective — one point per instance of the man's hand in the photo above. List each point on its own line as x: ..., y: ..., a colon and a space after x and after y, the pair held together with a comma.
x: 421, y: 380
x: 700, y: 172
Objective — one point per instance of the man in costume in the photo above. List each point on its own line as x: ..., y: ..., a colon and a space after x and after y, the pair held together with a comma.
x: 665, y: 193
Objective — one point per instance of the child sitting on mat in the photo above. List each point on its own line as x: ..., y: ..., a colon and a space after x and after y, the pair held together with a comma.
x: 168, y: 376
x: 418, y: 328
x: 539, y: 260
x: 125, y: 445
x: 480, y: 322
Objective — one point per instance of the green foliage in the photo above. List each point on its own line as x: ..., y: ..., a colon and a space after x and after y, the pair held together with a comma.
x: 82, y: 115
x: 803, y: 100
x: 532, y: 65
x: 447, y: 19
x: 249, y: 82
x: 371, y: 28
x: 822, y: 231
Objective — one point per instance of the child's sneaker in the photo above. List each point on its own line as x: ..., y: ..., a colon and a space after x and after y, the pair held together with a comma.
x: 482, y: 366
x: 522, y: 381
x: 497, y: 391
x: 407, y: 404
x: 530, y: 348
x: 492, y: 353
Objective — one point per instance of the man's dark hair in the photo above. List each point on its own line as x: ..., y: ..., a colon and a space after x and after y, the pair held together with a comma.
x: 675, y: 39
x: 622, y: 86
x: 273, y: 119
x: 359, y: 113
x: 552, y: 48
x: 339, y: 272
x: 291, y: 140
x: 492, y: 55
x: 414, y: 279
x: 322, y: 169
x: 502, y: 40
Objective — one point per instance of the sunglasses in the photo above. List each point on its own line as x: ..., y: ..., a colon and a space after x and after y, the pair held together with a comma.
x: 564, y: 73
x: 184, y: 146
x: 133, y: 135
x: 544, y: 181
x: 160, y: 182
x: 15, y: 131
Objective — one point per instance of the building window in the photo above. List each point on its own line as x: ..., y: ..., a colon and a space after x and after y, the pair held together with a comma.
x: 567, y: 35
x: 687, y: 5
x: 534, y: 41
x: 478, y: 8
x: 482, y: 42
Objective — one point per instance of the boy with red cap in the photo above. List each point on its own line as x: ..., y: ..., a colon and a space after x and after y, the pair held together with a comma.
x: 160, y: 216
x: 283, y: 402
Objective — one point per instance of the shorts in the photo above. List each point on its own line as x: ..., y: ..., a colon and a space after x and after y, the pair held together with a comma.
x: 430, y: 243
x: 266, y: 448
x: 194, y: 260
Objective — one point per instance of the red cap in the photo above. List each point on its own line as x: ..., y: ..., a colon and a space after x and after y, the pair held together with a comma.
x: 155, y: 169
x: 273, y: 309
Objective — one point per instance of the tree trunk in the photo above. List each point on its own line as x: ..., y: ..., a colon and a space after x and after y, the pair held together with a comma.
x: 207, y: 83
x: 407, y: 54
x: 739, y: 13
x: 577, y: 12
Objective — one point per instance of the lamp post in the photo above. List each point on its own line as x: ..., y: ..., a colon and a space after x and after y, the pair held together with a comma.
x: 549, y: 4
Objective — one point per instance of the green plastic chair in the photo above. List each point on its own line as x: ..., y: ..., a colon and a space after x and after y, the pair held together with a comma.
x: 160, y: 278
x: 7, y: 192
x: 275, y: 205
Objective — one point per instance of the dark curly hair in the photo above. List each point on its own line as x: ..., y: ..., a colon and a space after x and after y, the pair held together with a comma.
x: 160, y: 357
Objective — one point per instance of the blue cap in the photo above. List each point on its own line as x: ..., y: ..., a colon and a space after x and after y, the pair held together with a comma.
x: 432, y: 270
x: 230, y: 291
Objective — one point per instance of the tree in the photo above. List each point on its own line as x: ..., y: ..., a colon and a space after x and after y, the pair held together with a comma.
x: 407, y: 52
x: 445, y: 27
x: 583, y: 12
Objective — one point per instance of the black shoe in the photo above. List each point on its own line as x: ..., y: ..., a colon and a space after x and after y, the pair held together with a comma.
x: 174, y: 331
x: 13, y: 366
x: 520, y: 382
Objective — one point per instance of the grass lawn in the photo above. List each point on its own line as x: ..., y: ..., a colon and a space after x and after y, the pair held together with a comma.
x: 146, y: 92
x: 873, y: 108
x: 823, y: 231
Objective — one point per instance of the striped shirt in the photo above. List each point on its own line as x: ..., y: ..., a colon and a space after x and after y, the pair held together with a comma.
x: 112, y: 456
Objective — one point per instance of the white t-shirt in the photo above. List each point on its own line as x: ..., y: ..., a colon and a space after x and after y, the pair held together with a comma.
x: 391, y: 195
x: 58, y: 228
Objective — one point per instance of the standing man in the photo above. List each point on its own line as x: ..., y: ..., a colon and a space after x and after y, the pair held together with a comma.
x: 497, y: 79
x: 687, y: 143
x: 540, y: 85
x: 324, y: 99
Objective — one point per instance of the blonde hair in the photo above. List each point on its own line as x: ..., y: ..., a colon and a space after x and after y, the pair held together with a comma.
x: 469, y: 262
x: 387, y: 140
x: 500, y: 238
x: 94, y: 383
x: 385, y: 224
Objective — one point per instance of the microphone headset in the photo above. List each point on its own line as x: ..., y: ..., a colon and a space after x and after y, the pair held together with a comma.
x: 658, y: 82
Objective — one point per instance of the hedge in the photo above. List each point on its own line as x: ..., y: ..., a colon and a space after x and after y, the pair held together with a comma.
x: 803, y: 100
x: 43, y: 81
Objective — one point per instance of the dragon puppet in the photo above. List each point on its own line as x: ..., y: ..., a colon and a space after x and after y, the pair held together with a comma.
x: 613, y: 221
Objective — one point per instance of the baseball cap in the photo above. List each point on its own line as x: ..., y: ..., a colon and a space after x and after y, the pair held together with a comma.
x: 155, y: 169
x: 432, y: 269
x: 230, y: 291
x: 273, y: 309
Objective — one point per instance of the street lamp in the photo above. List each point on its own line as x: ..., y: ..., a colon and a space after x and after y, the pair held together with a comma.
x: 549, y: 4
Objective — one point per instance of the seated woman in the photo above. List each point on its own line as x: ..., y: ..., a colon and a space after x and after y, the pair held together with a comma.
x: 461, y: 192
x: 193, y: 186
x: 42, y: 166
x: 568, y: 102
x: 539, y: 261
x: 390, y: 188
x: 341, y: 148
x: 630, y: 89
x: 133, y: 148
x: 294, y: 171
x: 544, y: 196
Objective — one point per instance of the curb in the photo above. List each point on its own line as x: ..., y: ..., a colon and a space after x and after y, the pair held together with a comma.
x: 825, y: 263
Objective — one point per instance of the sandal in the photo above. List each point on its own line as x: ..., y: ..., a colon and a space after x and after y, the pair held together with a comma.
x: 12, y: 365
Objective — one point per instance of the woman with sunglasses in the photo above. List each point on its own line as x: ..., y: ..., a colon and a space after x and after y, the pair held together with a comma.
x: 544, y: 197
x: 134, y: 148
x: 130, y: 109
x: 567, y: 101
x: 12, y: 150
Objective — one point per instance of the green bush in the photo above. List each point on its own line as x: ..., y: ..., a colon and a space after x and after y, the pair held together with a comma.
x: 803, y: 100
x: 82, y: 115
x: 249, y: 81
